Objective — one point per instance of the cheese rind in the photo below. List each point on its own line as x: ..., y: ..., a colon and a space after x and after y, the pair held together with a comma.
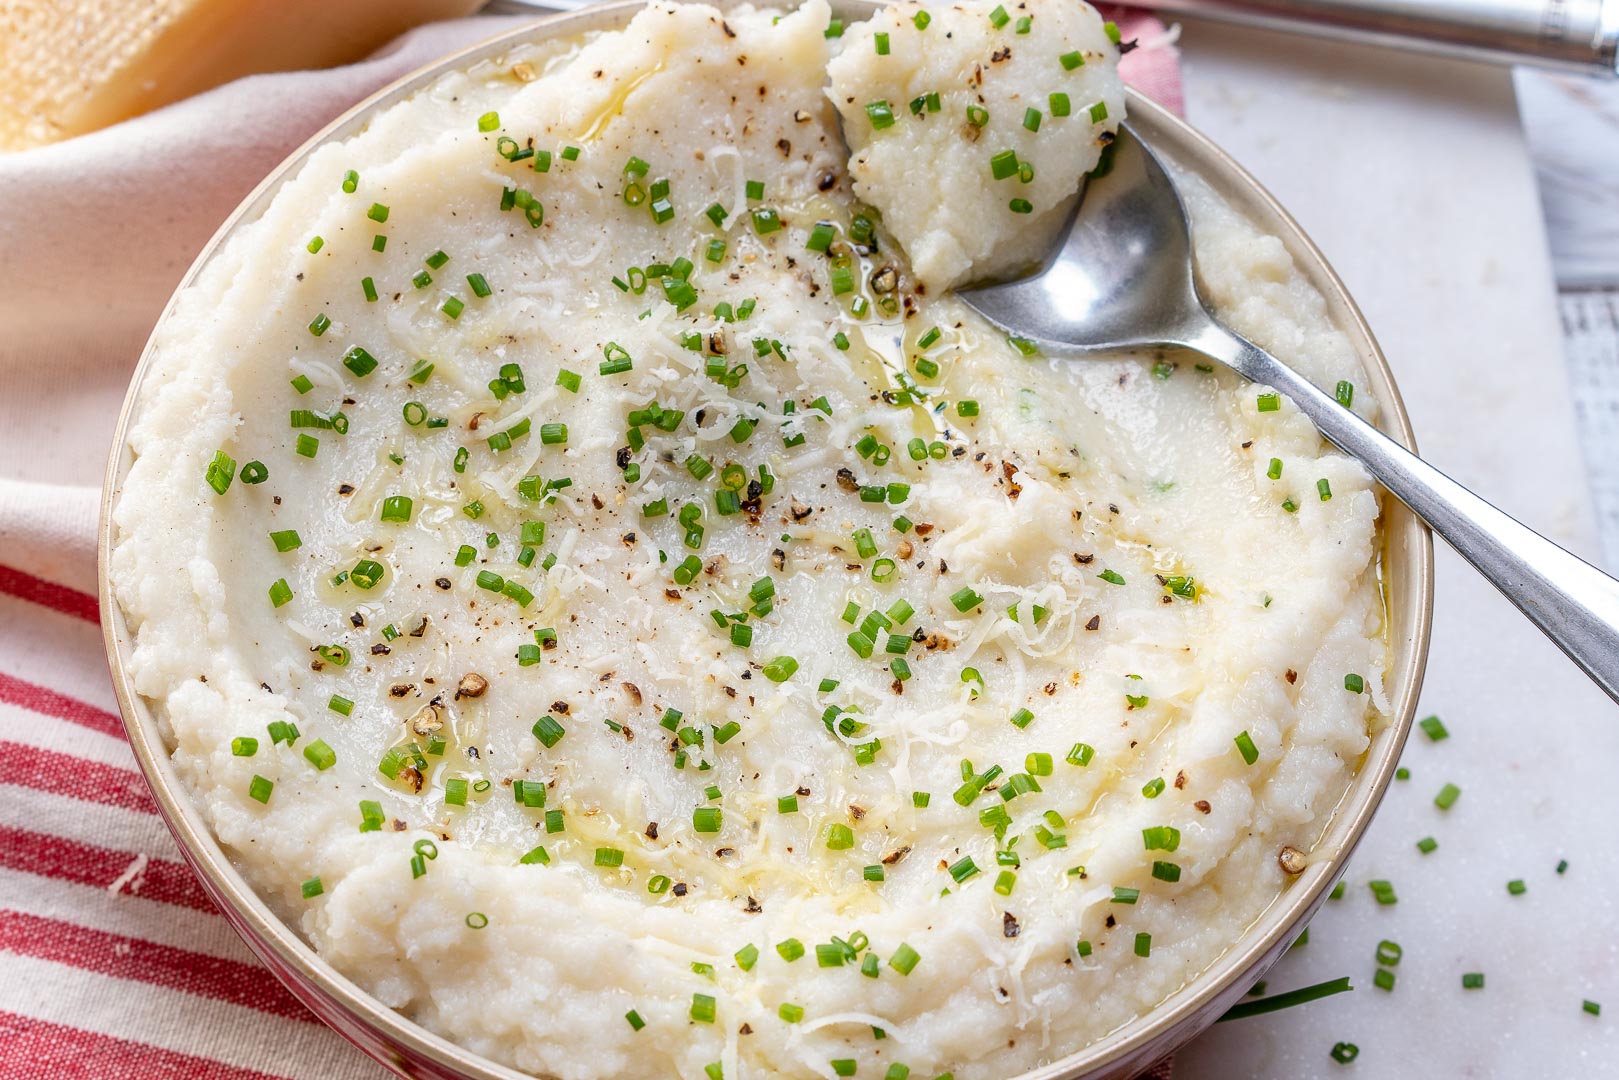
x: 75, y: 66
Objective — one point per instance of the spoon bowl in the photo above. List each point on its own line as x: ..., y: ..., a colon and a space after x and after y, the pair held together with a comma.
x: 1121, y: 277
x: 1121, y: 270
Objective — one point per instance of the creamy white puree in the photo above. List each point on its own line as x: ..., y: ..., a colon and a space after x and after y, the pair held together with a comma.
x: 1135, y: 465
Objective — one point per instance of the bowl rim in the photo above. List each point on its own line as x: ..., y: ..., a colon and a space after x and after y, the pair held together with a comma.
x: 402, y: 1045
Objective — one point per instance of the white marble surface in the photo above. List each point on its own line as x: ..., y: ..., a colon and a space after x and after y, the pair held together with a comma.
x: 1413, y: 176
x: 1573, y: 129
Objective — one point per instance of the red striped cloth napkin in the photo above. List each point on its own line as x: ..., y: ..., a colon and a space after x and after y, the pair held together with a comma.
x: 113, y: 963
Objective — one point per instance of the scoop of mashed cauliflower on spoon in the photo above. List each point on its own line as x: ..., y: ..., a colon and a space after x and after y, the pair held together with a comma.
x: 970, y: 126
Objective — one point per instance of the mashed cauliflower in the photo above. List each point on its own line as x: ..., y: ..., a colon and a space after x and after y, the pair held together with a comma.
x: 632, y: 625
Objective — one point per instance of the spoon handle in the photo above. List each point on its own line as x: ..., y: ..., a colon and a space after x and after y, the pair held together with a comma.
x: 1573, y: 603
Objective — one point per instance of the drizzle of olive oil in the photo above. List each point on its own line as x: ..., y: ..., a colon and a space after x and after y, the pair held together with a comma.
x: 613, y: 107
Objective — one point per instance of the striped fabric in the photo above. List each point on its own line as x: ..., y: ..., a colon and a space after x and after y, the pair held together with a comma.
x: 113, y: 963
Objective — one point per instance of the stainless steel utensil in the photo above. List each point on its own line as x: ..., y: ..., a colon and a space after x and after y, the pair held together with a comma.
x: 1572, y: 35
x: 1121, y: 278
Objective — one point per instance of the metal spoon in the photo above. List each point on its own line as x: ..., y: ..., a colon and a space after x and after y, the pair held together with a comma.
x: 1121, y: 278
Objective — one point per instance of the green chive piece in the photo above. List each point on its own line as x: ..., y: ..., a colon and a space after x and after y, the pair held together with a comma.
x: 707, y: 819
x: 280, y: 592
x: 780, y: 669
x: 320, y: 755
x: 220, y: 472
x: 1447, y: 796
x: 904, y: 959
x: 1246, y: 747
x: 1285, y: 1001
x: 1434, y: 728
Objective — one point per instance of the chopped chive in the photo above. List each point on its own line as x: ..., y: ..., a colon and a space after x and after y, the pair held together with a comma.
x: 1473, y: 980
x: 1246, y: 747
x: 1098, y: 112
x: 1383, y: 891
x: 280, y: 592
x: 320, y: 755
x: 780, y: 669
x: 1434, y: 728
x: 1071, y: 60
x: 881, y: 114
x: 1447, y: 796
x: 702, y: 1008
x: 1287, y: 1000
x: 260, y: 789
x: 548, y: 731
x: 707, y: 819
x: 1031, y: 119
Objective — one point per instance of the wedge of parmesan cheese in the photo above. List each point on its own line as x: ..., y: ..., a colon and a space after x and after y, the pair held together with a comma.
x: 75, y: 66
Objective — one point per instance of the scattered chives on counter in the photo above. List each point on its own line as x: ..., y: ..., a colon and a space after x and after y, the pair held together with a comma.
x: 1433, y: 728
